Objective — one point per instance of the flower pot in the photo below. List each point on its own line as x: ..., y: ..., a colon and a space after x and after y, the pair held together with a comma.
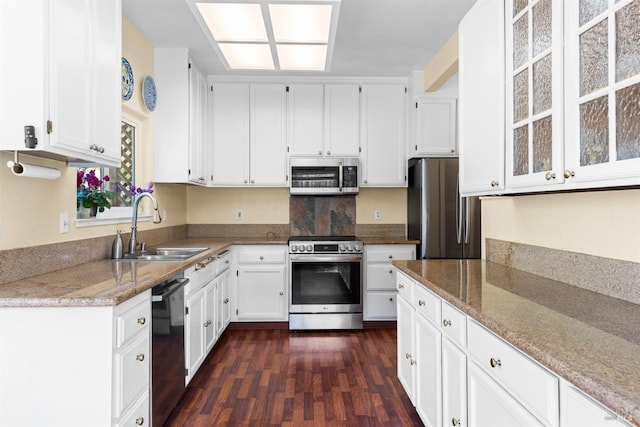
x: 85, y: 213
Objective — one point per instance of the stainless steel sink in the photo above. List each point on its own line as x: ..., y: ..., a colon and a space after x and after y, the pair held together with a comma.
x: 165, y: 254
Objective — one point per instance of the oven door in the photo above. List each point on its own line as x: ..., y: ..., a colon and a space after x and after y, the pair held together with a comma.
x: 325, y: 284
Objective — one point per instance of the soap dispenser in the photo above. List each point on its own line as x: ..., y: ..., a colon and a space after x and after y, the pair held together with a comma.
x: 117, y: 250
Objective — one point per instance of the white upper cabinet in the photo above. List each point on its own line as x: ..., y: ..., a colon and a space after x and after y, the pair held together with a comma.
x: 342, y: 119
x: 383, y: 159
x: 249, y: 134
x: 435, y: 133
x: 181, y: 122
x: 305, y: 124
x: 481, y: 98
x: 63, y: 79
x: 534, y: 149
x: 602, y: 88
x: 323, y: 119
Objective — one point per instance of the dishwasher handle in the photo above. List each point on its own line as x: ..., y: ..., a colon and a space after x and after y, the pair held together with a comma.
x: 170, y: 288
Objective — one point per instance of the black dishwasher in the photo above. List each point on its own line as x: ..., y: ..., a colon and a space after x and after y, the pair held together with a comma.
x: 167, y: 348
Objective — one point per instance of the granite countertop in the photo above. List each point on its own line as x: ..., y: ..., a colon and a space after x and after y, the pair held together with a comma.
x: 589, y: 339
x: 108, y: 282
x: 368, y: 240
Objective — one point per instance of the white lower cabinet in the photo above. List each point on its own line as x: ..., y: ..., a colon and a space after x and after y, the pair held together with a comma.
x: 579, y: 410
x: 458, y: 373
x: 95, y: 362
x: 262, y: 283
x: 379, y: 278
x: 194, y: 332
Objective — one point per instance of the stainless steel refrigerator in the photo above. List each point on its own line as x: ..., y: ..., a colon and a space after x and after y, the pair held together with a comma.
x: 447, y: 225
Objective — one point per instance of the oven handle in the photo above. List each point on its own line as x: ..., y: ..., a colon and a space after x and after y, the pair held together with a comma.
x: 320, y: 258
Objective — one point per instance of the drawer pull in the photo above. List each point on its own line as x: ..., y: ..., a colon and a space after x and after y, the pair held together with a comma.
x: 455, y: 422
x: 407, y: 356
x: 400, y: 286
x: 391, y: 299
x: 495, y: 362
x: 140, y: 357
x: 390, y: 256
x: 261, y: 257
x: 390, y: 271
x: 139, y: 421
x: 142, y: 320
x: 446, y: 322
x: 421, y: 302
x: 226, y: 301
x: 281, y: 293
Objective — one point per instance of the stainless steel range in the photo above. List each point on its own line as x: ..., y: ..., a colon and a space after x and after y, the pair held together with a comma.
x: 325, y: 283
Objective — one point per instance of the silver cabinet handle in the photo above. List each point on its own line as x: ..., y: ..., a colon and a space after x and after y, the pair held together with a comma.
x: 246, y: 181
x: 142, y: 320
x: 549, y: 176
x: 421, y: 302
x: 139, y: 421
x: 365, y: 181
x: 391, y: 299
x: 407, y: 356
x: 494, y: 183
x: 569, y: 174
x: 281, y: 293
x: 390, y: 271
x: 140, y: 357
x: 226, y: 301
x: 455, y: 422
x: 319, y: 153
x: 328, y: 153
x: 446, y: 322
x: 495, y: 362
x: 400, y: 286
x: 261, y: 257
x: 390, y: 256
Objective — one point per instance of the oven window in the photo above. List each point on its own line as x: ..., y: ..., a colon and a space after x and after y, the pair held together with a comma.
x: 325, y: 283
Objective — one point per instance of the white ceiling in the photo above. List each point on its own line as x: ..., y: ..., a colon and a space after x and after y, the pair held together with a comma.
x: 375, y: 38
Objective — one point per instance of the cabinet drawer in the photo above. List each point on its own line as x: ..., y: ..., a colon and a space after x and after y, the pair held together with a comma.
x: 132, y: 321
x: 427, y: 303
x: 131, y: 373
x: 404, y: 285
x: 381, y: 277
x: 389, y: 253
x: 199, y: 275
x: 223, y: 262
x: 531, y: 384
x: 454, y: 324
x: 381, y: 306
x: 137, y: 416
x: 262, y: 256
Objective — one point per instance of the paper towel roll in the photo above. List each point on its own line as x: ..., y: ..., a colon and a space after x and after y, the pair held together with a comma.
x: 33, y: 171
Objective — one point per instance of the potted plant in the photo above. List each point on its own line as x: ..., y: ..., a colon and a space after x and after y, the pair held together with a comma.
x: 90, y: 193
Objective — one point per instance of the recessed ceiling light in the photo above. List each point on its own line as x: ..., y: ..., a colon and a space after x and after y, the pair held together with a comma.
x: 306, y: 57
x: 247, y: 33
x: 247, y: 56
x: 300, y: 23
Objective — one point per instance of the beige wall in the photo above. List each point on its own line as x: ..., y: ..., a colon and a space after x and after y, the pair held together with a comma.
x: 271, y: 205
x: 30, y: 208
x: 601, y: 223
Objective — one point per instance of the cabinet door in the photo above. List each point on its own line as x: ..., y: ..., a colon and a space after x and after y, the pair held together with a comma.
x: 261, y: 292
x: 534, y: 153
x: 230, y: 133
x: 383, y: 135
x: 210, y: 315
x: 436, y: 127
x: 380, y: 305
x: 602, y: 86
x: 342, y: 119
x: 224, y: 303
x: 491, y: 406
x: 481, y: 98
x: 578, y: 410
x: 305, y: 119
x: 197, y: 125
x: 405, y: 347
x: 194, y: 334
x: 454, y: 385
x: 428, y: 398
x: 268, y: 148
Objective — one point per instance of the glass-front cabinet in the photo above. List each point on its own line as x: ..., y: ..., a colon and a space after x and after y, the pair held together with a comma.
x: 602, y: 89
x: 534, y: 149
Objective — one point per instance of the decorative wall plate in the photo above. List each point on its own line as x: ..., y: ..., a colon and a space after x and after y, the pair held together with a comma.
x: 127, y: 80
x: 149, y: 93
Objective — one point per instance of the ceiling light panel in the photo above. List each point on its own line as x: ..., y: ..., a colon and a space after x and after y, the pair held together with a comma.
x: 234, y: 21
x: 300, y: 23
x: 247, y: 56
x: 302, y: 57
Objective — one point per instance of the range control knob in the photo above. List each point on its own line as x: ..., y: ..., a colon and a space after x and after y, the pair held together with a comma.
x: 294, y: 248
x: 358, y: 248
x: 349, y: 248
x: 342, y: 248
x: 301, y: 248
x: 309, y: 248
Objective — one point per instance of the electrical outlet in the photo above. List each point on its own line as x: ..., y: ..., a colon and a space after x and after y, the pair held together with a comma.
x: 165, y: 217
x: 64, y: 222
x: 377, y: 214
x: 239, y: 214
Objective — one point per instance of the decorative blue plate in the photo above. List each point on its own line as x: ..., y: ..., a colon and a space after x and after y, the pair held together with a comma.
x: 127, y: 80
x: 149, y: 93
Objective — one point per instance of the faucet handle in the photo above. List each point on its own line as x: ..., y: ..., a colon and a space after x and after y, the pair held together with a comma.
x: 143, y: 246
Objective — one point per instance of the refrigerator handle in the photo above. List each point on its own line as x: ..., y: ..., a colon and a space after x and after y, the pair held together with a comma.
x: 467, y: 201
x: 458, y: 213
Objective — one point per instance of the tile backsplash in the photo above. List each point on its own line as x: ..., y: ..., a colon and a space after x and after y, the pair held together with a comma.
x: 322, y: 216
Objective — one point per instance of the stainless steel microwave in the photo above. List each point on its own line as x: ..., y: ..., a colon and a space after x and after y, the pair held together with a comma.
x: 324, y: 176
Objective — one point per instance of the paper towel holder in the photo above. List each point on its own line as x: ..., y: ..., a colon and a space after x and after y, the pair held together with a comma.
x: 31, y: 171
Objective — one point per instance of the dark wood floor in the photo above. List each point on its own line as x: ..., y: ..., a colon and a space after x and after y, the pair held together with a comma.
x: 283, y: 378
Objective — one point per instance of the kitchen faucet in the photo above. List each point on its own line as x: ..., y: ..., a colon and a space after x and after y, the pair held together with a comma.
x: 133, y: 240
